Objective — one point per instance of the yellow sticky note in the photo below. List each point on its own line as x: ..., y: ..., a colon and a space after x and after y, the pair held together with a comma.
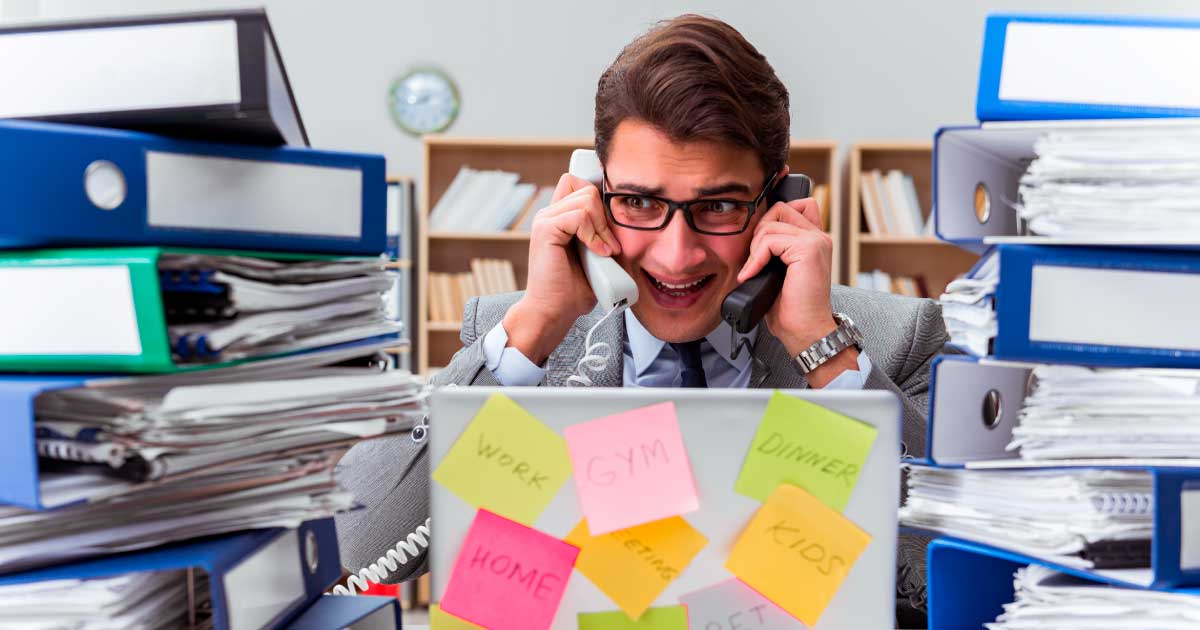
x: 796, y: 552
x: 506, y: 461
x: 805, y: 444
x: 439, y: 620
x: 632, y: 566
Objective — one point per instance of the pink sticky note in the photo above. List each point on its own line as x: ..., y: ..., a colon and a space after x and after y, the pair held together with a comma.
x: 508, y: 576
x: 631, y: 468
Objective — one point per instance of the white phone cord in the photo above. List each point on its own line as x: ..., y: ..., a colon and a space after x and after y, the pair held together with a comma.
x: 410, y: 547
x: 595, y: 355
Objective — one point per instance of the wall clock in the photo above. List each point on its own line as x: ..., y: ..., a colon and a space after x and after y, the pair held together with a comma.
x: 424, y: 101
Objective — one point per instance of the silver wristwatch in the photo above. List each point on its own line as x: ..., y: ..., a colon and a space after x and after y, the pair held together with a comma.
x: 844, y: 336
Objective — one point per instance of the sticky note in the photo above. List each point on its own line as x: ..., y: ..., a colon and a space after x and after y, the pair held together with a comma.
x: 632, y: 566
x: 807, y: 445
x: 442, y: 620
x: 796, y: 552
x: 508, y: 576
x: 506, y: 461
x: 731, y: 605
x: 631, y: 468
x: 665, y: 618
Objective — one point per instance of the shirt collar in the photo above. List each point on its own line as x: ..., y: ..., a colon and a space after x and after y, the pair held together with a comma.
x: 645, y: 347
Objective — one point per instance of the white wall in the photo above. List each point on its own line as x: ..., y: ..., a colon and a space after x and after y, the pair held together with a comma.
x: 856, y: 68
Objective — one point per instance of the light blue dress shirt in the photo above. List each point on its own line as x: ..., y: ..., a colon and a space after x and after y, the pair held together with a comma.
x: 652, y: 362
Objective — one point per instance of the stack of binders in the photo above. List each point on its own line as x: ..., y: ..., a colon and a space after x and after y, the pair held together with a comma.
x: 194, y: 332
x: 1059, y: 475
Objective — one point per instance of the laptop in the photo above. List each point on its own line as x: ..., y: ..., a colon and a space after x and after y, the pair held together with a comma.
x: 717, y: 427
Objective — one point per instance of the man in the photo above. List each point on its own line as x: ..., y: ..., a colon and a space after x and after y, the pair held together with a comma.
x: 692, y: 128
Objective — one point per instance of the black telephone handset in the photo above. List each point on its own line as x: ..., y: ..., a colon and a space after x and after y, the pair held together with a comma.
x: 746, y: 305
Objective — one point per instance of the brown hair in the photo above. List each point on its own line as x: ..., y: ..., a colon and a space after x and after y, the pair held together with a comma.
x: 696, y: 78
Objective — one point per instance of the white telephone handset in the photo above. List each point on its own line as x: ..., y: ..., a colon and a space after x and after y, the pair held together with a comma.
x: 612, y: 286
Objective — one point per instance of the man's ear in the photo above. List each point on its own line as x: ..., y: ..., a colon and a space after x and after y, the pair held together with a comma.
x: 784, y: 172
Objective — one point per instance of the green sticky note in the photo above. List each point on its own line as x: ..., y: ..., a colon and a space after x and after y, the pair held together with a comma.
x: 665, y: 618
x: 807, y: 445
x: 506, y: 461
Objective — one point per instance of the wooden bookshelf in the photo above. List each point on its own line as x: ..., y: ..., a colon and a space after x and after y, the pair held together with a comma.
x: 540, y: 161
x: 926, y: 256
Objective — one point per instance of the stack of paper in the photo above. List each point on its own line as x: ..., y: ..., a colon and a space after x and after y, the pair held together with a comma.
x: 968, y: 307
x: 130, y: 463
x: 1063, y: 515
x: 1097, y: 183
x: 232, y: 307
x: 1048, y: 599
x: 152, y: 599
x: 1079, y: 413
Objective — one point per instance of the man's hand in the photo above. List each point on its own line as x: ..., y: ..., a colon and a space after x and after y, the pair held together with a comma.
x: 556, y: 290
x: 802, y: 315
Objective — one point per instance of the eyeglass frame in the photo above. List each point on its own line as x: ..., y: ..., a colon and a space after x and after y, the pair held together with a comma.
x: 685, y: 206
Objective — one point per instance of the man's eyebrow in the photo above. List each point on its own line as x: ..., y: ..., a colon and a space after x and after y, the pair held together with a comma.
x: 731, y: 187
x: 638, y: 188
x: 708, y: 191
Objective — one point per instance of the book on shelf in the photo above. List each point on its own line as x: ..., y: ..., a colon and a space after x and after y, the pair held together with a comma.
x: 890, y: 204
x: 449, y: 292
x: 821, y: 196
x: 485, y: 201
x: 543, y: 198
x: 878, y: 280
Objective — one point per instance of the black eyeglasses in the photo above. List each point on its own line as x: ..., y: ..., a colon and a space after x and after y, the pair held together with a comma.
x: 718, y: 217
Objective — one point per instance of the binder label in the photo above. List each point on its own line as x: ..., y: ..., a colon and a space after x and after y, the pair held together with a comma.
x: 120, y: 68
x: 266, y: 584
x: 1112, y: 307
x: 1189, y: 527
x: 230, y: 194
x: 1101, y: 64
x: 68, y: 311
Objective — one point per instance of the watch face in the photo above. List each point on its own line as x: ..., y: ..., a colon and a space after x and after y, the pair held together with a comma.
x: 424, y: 101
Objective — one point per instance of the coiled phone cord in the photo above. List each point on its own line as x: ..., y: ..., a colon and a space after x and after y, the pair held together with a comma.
x: 595, y: 355
x: 406, y: 549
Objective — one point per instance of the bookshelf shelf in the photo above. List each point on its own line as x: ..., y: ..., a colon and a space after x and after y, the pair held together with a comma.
x: 938, y: 262
x: 871, y: 239
x: 541, y: 161
x: 479, y: 236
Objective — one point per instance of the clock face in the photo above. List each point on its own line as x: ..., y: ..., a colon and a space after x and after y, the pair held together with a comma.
x: 423, y: 101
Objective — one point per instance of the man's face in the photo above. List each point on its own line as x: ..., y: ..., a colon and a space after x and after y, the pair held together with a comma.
x: 682, y: 276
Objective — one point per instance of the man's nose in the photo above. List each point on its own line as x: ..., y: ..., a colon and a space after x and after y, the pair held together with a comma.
x: 678, y: 247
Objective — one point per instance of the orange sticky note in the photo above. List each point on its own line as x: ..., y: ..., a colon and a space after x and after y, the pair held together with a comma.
x: 796, y: 552
x: 633, y: 566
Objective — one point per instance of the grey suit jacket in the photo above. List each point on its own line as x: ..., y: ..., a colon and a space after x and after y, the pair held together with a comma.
x: 390, y: 477
x: 901, y: 336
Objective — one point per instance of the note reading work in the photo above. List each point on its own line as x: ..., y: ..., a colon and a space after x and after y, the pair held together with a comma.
x: 506, y: 461
x: 631, y: 468
x: 796, y: 552
x: 508, y: 576
x: 805, y: 444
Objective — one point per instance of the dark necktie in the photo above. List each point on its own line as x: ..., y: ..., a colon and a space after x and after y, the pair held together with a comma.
x: 689, y: 356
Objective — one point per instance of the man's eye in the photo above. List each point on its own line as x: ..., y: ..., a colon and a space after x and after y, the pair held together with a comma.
x: 716, y: 206
x: 634, y: 202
